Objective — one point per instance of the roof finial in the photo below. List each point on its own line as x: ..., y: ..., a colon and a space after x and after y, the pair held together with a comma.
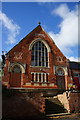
x: 39, y: 23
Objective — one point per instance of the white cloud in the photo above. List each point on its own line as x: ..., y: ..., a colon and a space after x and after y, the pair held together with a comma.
x: 13, y: 29
x: 79, y: 59
x: 73, y: 59
x: 68, y: 34
x: 62, y: 11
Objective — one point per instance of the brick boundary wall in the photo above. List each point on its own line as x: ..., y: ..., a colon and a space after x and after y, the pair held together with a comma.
x: 70, y: 101
x: 16, y: 104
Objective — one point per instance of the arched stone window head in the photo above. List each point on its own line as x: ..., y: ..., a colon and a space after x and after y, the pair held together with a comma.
x: 17, y: 68
x: 39, y: 54
x: 60, y: 72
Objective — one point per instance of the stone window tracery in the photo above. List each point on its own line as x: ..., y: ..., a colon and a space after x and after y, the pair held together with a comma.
x: 39, y: 55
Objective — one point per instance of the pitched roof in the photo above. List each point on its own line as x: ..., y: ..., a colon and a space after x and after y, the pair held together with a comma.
x: 31, y: 35
x: 74, y: 65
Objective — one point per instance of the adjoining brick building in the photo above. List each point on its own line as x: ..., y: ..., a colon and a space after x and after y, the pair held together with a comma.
x: 36, y: 62
x: 75, y: 72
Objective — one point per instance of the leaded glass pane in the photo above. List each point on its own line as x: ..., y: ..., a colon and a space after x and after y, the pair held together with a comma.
x: 39, y: 55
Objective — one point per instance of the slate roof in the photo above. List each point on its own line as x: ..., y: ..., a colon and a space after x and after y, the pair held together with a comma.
x: 74, y: 65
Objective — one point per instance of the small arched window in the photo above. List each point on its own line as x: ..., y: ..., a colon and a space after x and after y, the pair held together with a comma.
x: 16, y: 69
x: 39, y: 54
x: 60, y: 72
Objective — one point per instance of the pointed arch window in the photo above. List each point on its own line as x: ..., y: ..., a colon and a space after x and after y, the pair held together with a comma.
x: 39, y: 55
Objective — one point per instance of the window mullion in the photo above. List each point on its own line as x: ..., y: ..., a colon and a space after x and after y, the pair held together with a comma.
x: 45, y: 77
x: 34, y: 77
x: 34, y: 55
x: 41, y: 77
x: 41, y: 54
x: 48, y: 58
x: 44, y: 56
x: 38, y: 77
x: 38, y: 54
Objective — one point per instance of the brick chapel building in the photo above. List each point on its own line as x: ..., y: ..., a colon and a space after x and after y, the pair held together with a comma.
x: 36, y: 62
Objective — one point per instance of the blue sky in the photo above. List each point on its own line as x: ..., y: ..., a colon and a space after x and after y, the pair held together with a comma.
x: 60, y: 21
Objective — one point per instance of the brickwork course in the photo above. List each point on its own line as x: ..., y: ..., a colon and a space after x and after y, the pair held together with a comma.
x: 20, y: 55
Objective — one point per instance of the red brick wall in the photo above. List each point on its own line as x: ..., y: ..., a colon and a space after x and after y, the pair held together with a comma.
x: 22, y: 105
x: 76, y: 80
x: 74, y: 102
x: 23, y: 48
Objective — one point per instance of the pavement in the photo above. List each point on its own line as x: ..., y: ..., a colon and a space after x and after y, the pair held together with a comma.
x: 65, y: 116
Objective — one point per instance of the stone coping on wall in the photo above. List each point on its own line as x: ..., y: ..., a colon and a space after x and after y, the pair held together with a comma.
x: 48, y: 92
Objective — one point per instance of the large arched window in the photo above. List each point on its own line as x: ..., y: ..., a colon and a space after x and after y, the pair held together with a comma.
x: 39, y: 54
